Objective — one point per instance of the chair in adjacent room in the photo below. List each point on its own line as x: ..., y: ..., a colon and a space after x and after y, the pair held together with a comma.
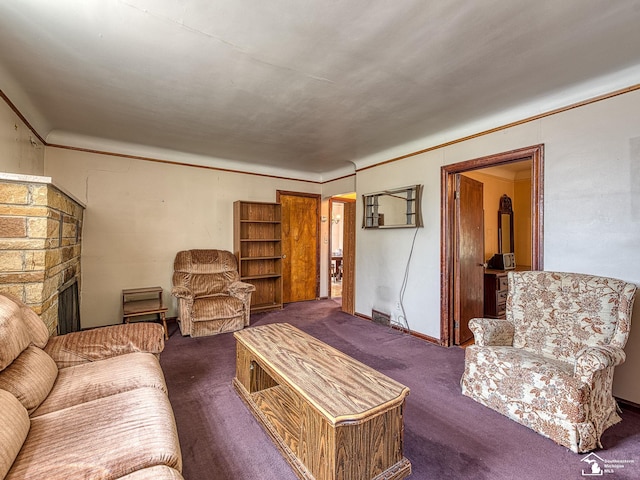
x: 211, y: 297
x: 549, y: 365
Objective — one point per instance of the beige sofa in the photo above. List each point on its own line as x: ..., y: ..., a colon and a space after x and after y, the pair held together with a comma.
x: 90, y: 404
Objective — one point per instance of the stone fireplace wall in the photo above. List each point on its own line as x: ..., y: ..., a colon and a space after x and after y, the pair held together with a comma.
x: 40, y: 242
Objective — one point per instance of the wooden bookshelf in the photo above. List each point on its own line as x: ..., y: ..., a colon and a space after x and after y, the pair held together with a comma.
x: 257, y: 243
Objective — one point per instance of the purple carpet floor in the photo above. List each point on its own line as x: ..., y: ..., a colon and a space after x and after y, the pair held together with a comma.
x: 447, y: 435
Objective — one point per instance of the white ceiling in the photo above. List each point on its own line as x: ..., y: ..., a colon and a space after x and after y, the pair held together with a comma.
x: 308, y: 87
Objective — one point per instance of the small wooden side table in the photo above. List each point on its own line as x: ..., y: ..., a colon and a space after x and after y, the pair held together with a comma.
x: 144, y: 301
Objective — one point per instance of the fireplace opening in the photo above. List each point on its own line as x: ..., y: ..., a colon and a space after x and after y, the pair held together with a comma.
x: 68, y: 307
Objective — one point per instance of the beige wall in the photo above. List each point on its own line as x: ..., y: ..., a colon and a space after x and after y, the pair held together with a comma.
x: 140, y: 213
x: 20, y: 150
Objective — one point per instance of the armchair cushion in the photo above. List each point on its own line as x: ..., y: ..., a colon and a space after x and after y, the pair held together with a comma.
x: 518, y: 382
x: 558, y: 314
x: 215, y: 307
x: 203, y: 285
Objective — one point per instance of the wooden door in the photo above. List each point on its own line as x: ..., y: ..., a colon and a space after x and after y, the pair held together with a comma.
x: 469, y: 256
x: 349, y: 257
x: 300, y: 246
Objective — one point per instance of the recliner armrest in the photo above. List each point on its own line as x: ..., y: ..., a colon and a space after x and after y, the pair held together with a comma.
x: 181, y: 292
x: 240, y: 289
x: 105, y: 342
x: 592, y: 359
x: 491, y: 332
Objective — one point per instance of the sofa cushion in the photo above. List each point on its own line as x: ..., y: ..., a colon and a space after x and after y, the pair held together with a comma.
x: 93, y: 380
x: 30, y: 377
x: 15, y: 427
x: 35, y: 325
x: 14, y: 334
x: 105, y: 438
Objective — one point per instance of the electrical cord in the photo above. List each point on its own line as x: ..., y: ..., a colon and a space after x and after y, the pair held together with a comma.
x: 403, y: 318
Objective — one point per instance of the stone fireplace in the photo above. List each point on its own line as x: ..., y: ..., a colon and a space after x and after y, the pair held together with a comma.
x: 40, y: 244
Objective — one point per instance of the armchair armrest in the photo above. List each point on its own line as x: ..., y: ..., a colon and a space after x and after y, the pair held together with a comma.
x: 491, y: 332
x: 240, y: 289
x: 595, y: 358
x: 105, y: 342
x: 181, y: 292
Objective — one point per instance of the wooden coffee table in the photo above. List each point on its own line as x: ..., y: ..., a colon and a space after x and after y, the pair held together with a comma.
x: 331, y: 416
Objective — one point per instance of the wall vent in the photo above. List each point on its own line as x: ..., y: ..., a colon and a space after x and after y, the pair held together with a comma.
x: 381, y: 317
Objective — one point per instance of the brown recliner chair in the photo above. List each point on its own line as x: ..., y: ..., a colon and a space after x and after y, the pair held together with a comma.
x: 211, y: 297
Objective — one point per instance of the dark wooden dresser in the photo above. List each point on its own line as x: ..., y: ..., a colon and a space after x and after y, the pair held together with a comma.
x: 496, y: 289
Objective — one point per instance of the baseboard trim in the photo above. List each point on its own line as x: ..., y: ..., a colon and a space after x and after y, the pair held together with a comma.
x: 419, y: 335
x: 628, y: 405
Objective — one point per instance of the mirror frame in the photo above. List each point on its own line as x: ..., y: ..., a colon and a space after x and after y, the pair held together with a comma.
x: 373, y: 219
x: 506, y: 208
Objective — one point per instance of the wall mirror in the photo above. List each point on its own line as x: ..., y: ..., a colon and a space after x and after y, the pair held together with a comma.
x: 505, y: 225
x: 394, y: 208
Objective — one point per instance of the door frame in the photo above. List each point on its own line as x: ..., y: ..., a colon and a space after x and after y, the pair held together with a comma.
x: 533, y: 153
x: 318, y: 198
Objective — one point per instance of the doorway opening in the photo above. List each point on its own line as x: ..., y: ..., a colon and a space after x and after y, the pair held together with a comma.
x: 453, y: 292
x: 336, y: 248
x: 341, y: 250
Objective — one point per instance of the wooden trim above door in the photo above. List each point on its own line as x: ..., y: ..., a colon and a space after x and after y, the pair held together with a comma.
x: 533, y: 153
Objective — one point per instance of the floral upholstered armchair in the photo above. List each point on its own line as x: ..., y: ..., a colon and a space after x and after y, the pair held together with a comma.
x: 211, y: 297
x: 549, y: 365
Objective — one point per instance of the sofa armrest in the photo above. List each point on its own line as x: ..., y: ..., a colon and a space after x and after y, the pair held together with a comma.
x: 491, y: 332
x: 592, y: 359
x: 240, y: 289
x: 105, y: 342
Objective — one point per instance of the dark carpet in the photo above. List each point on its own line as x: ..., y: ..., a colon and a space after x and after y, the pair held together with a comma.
x: 447, y: 435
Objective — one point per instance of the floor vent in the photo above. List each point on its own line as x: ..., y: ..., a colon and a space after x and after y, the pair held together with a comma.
x: 381, y: 317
